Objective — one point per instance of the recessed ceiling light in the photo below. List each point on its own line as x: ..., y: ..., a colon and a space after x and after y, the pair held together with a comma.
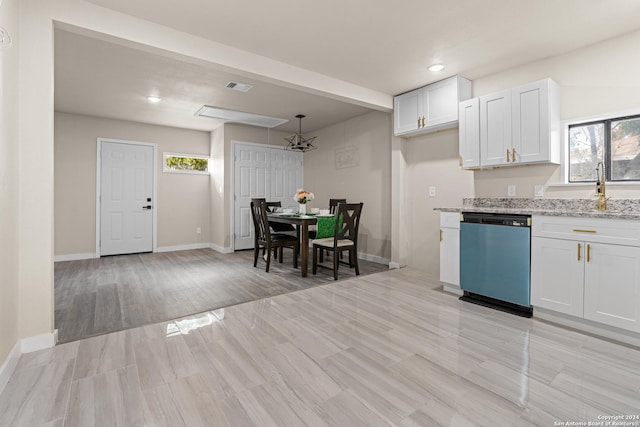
x: 436, y: 67
x: 153, y: 99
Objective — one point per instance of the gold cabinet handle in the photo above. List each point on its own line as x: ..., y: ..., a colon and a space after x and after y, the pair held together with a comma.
x: 578, y: 230
x: 588, y: 253
x: 441, y: 234
x: 507, y: 155
x: 513, y: 154
x: 424, y: 121
x: 419, y: 121
x: 460, y: 160
x: 579, y: 250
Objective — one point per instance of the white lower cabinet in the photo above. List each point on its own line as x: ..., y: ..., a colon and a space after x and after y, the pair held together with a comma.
x: 557, y: 275
x: 450, y: 251
x: 612, y: 285
x: 588, y: 268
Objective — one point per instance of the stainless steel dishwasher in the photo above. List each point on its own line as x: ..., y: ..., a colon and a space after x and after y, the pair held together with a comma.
x: 495, y: 261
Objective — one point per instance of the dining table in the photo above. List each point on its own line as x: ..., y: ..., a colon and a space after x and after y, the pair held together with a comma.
x: 302, y: 223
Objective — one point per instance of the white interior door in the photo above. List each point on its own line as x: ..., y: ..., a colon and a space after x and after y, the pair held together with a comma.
x: 251, y: 180
x: 261, y: 171
x: 126, y: 191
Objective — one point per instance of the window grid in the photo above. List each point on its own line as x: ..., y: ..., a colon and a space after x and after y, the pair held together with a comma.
x: 622, y: 160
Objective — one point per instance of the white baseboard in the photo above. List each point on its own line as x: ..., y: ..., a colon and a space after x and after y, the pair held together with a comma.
x: 90, y: 255
x: 25, y: 345
x: 452, y: 289
x: 9, y: 365
x: 221, y: 249
x: 176, y: 248
x: 74, y: 257
x: 394, y: 265
x: 605, y: 331
x: 38, y: 342
x: 373, y: 258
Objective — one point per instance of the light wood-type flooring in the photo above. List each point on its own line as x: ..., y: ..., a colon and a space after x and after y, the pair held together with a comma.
x: 384, y: 349
x: 97, y: 296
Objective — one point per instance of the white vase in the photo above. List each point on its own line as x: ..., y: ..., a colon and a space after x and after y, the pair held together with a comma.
x: 303, y: 208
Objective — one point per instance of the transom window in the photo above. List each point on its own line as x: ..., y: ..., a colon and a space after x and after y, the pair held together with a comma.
x: 615, y: 142
x: 185, y: 163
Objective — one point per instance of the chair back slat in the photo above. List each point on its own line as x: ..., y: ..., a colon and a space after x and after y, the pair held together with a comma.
x: 272, y: 205
x: 260, y: 220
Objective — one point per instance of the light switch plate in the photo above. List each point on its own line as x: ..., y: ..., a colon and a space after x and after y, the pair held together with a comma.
x: 538, y: 190
x: 432, y: 191
x: 511, y: 190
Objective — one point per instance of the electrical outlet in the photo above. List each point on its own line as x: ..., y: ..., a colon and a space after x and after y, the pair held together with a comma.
x: 198, y: 230
x: 538, y: 190
x: 511, y: 190
x: 432, y: 191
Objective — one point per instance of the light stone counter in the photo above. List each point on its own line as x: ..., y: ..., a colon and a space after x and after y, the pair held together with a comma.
x: 585, y: 208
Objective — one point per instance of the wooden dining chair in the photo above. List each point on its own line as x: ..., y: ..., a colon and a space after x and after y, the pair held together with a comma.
x: 279, y: 227
x: 267, y: 240
x: 332, y: 209
x: 345, y: 238
x: 333, y: 204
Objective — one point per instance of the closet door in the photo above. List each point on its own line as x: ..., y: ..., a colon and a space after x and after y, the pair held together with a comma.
x: 286, y: 176
x: 261, y: 171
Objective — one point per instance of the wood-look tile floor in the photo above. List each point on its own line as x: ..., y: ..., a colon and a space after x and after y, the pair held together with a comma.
x: 384, y: 349
x: 109, y: 294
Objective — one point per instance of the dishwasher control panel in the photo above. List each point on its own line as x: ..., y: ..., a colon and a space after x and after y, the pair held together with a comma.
x: 496, y: 219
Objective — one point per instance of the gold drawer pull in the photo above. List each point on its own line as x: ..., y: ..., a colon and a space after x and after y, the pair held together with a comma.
x: 579, y: 250
x: 588, y: 253
x: 441, y: 235
x: 577, y: 230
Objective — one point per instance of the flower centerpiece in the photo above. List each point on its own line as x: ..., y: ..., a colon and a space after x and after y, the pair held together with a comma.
x: 302, y: 197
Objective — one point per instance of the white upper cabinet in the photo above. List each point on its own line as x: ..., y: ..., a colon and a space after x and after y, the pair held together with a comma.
x: 407, y: 112
x: 495, y: 128
x: 535, y: 119
x: 469, y: 114
x: 430, y: 108
x: 516, y: 126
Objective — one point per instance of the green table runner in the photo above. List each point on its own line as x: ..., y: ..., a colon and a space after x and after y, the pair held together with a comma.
x: 326, y: 226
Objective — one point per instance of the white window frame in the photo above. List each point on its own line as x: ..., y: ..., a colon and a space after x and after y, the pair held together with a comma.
x: 192, y: 156
x: 564, y: 164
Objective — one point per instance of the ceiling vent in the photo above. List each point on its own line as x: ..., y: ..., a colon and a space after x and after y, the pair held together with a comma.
x: 240, y: 117
x: 241, y: 87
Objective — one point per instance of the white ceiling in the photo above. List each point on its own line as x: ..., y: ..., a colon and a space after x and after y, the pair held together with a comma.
x: 381, y: 45
x: 103, y: 79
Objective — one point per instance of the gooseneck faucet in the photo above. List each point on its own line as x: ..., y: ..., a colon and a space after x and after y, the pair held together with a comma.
x: 601, y: 192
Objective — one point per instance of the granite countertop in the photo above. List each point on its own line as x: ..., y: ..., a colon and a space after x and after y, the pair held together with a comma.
x: 584, y: 208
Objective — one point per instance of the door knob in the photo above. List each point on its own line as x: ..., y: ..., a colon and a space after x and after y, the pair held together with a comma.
x: 146, y: 207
